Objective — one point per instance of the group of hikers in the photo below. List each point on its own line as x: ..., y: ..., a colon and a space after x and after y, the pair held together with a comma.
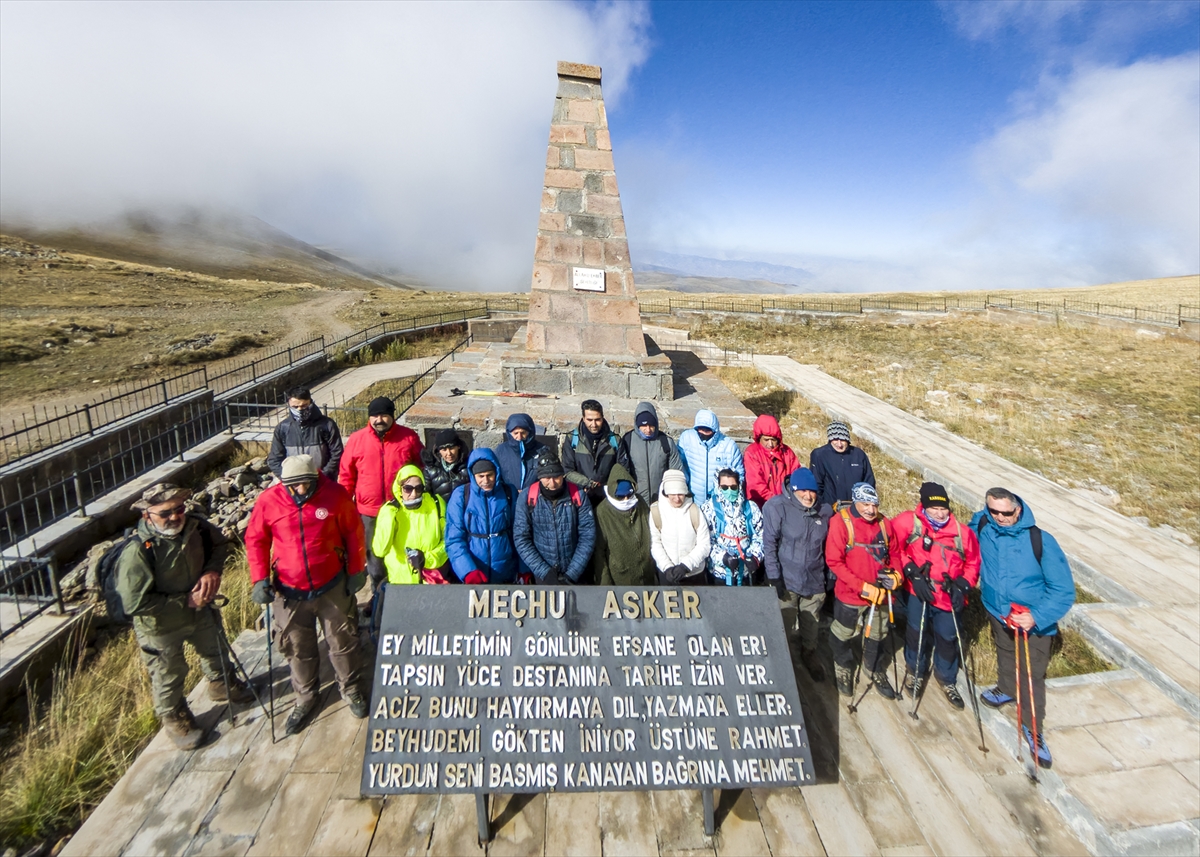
x: 639, y: 509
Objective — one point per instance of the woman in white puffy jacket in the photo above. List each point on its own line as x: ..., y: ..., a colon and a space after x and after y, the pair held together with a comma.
x: 679, y: 538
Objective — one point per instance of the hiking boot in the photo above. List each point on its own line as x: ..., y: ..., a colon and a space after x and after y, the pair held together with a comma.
x: 844, y: 678
x: 880, y: 680
x: 237, y: 691
x: 953, y: 696
x: 1043, y: 752
x: 913, y: 685
x: 181, y: 726
x: 812, y: 663
x: 298, y: 719
x: 995, y: 698
x: 357, y: 702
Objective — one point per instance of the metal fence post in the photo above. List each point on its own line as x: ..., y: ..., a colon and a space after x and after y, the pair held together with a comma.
x: 79, y: 494
x: 179, y: 441
x: 87, y: 414
x: 163, y: 384
x: 52, y: 571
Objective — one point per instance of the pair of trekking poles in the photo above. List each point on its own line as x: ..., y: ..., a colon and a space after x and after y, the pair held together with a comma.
x: 1020, y: 633
x: 229, y: 657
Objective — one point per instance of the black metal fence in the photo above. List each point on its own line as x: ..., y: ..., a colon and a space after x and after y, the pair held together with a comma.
x: 1153, y: 315
x: 28, y: 588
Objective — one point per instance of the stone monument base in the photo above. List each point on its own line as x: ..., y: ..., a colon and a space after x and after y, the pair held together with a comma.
x: 589, y: 375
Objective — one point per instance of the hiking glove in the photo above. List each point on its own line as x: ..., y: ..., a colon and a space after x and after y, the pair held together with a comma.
x: 355, y: 582
x: 677, y: 572
x: 921, y: 585
x: 731, y: 561
x: 780, y: 589
x: 416, y: 559
x: 262, y: 593
x: 956, y: 588
x: 752, y: 565
x: 888, y: 579
x: 475, y: 578
x: 872, y: 594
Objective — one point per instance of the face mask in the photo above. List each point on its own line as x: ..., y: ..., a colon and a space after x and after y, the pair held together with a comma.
x: 623, y: 505
x: 414, y: 504
x: 297, y: 413
x: 729, y: 495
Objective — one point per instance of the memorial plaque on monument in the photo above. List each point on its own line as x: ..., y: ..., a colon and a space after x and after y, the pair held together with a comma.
x: 537, y: 689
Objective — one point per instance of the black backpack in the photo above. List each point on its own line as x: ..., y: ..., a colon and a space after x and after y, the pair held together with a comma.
x: 106, y: 569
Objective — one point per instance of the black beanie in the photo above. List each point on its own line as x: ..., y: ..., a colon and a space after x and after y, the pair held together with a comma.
x: 483, y: 465
x: 934, y: 495
x: 380, y: 406
x: 446, y: 437
x: 550, y: 466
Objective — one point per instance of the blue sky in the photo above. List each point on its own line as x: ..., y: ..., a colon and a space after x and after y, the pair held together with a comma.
x: 882, y: 145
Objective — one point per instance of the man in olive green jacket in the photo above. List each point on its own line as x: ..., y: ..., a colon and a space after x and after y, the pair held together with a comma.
x: 166, y: 579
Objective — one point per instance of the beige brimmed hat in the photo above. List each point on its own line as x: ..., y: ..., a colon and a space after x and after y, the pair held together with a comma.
x: 159, y: 493
x: 298, y: 468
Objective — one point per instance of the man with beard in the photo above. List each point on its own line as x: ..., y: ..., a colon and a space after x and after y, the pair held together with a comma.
x: 166, y: 578
x: 591, y: 450
x: 373, y: 457
x: 306, y: 431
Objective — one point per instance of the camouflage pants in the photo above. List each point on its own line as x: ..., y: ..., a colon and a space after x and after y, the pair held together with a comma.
x: 163, y: 655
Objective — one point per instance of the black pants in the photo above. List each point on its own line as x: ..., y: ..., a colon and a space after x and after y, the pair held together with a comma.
x: 1039, y: 658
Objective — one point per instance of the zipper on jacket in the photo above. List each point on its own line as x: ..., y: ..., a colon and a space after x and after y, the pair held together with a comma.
x: 304, y: 544
x: 382, y: 469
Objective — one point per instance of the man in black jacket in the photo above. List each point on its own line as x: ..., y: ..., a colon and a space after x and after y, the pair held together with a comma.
x: 838, y: 466
x: 445, y: 465
x: 306, y: 431
x: 591, y: 450
x: 794, y: 527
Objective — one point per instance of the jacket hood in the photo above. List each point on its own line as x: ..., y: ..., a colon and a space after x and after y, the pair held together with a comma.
x: 479, y: 455
x: 1024, y: 520
x: 519, y: 421
x: 706, y: 419
x: 407, y: 472
x: 767, y: 426
x: 618, y: 473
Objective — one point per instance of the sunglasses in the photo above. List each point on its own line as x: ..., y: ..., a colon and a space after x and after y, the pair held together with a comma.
x: 173, y: 512
x: 1002, y: 513
x: 412, y: 489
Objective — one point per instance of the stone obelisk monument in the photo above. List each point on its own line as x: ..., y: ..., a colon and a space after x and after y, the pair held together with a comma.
x: 584, y: 333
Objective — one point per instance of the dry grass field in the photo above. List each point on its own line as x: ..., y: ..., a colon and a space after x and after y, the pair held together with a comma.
x: 1093, y: 408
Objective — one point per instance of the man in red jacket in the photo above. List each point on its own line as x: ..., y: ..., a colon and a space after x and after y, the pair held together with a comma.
x: 769, y: 461
x: 941, y: 562
x: 304, y: 544
x: 862, y: 553
x: 373, y: 457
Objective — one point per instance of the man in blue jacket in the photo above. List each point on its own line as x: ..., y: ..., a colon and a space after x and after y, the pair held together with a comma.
x: 707, y: 451
x: 517, y: 454
x: 554, y: 529
x: 1026, y: 588
x: 479, y: 520
x: 839, y: 465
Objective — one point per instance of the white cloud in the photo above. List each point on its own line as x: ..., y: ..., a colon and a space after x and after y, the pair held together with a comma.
x: 411, y: 132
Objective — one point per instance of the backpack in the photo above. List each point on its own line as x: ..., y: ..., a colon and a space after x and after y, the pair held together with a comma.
x: 106, y: 576
x: 572, y: 490
x: 693, y: 514
x: 1035, y: 538
x: 845, y: 513
x: 918, y: 533
x: 612, y: 440
x: 719, y: 517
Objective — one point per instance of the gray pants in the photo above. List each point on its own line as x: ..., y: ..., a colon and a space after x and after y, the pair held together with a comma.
x: 164, y: 658
x: 1039, y: 658
x: 375, y: 567
x: 295, y: 631
x: 807, y: 621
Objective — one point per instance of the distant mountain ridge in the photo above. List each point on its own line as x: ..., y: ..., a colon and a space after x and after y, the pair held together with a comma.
x: 737, y: 269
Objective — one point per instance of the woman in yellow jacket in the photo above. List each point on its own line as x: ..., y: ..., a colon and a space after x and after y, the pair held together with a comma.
x: 410, y: 531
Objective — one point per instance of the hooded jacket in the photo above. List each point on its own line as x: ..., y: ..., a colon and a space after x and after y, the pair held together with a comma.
x: 767, y: 470
x: 442, y: 480
x: 589, y: 458
x: 555, y: 534
x: 677, y: 542
x: 518, y: 461
x: 1011, y: 573
x: 370, y: 463
x: 650, y: 458
x: 736, y: 528
x: 794, y: 543
x: 399, y: 528
x: 622, y: 553
x: 943, y: 558
x: 316, y: 435
x: 479, y: 527
x: 706, y: 459
x: 863, y: 562
x: 836, y: 472
x: 306, y: 546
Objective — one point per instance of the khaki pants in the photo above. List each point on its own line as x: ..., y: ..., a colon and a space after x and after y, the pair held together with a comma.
x: 295, y: 632
x: 848, y: 621
x: 807, y: 622
x: 164, y: 658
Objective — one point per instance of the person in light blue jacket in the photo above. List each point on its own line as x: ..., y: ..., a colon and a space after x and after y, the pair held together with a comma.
x: 707, y: 451
x: 1026, y: 588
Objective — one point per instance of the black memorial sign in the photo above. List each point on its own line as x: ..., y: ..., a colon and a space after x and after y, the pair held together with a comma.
x: 536, y: 689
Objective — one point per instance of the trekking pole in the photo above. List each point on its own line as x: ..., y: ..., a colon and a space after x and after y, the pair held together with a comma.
x: 1033, y: 750
x: 1017, y: 684
x: 962, y: 657
x: 223, y: 647
x: 853, y: 706
x: 895, y: 664
x: 917, y: 687
x: 270, y: 676
x: 239, y: 667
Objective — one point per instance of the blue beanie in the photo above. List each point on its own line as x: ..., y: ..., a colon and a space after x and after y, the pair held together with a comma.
x: 803, y: 480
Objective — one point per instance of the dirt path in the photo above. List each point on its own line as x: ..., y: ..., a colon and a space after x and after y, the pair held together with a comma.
x: 318, y: 317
